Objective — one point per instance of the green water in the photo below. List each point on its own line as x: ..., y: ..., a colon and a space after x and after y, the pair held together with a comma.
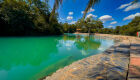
x: 31, y: 58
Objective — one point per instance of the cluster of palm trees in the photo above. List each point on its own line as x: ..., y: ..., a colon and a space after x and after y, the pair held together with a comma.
x: 90, y: 4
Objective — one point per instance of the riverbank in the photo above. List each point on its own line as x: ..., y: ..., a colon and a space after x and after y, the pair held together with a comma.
x: 120, y: 62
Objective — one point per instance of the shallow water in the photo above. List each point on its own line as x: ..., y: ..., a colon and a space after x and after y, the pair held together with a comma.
x: 31, y: 58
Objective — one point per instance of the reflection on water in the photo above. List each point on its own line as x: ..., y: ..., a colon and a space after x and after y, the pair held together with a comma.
x: 31, y: 58
x: 83, y: 43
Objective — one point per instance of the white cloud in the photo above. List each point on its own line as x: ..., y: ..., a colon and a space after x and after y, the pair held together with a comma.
x: 90, y: 10
x: 133, y: 6
x: 124, y: 5
x: 61, y: 19
x: 132, y: 16
x: 73, y: 22
x: 130, y: 6
x: 70, y: 13
x: 91, y: 15
x: 69, y: 18
x: 82, y: 12
x: 105, y: 18
x: 114, y: 22
x: 110, y: 26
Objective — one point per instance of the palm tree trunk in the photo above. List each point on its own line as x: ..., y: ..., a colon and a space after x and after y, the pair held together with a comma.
x: 89, y: 31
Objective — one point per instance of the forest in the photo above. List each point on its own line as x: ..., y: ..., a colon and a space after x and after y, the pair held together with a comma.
x: 25, y: 18
x: 96, y: 26
x: 33, y: 18
x: 130, y: 29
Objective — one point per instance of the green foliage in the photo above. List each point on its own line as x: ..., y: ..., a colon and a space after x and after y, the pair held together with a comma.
x: 131, y: 29
x: 33, y: 17
x: 27, y: 17
x: 96, y: 26
x: 69, y: 28
x: 89, y: 25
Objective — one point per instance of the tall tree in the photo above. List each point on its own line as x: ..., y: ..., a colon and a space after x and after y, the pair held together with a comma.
x: 55, y: 7
x: 91, y: 3
x: 27, y: 17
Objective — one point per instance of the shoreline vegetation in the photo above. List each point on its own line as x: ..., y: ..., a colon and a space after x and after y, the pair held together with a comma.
x: 114, y: 63
x: 24, y: 18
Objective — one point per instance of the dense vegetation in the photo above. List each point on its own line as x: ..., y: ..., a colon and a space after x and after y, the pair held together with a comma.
x: 34, y: 17
x: 130, y: 29
x: 27, y: 17
x: 96, y: 26
x: 85, y: 25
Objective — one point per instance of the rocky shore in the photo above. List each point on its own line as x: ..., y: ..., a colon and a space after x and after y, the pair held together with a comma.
x: 120, y: 62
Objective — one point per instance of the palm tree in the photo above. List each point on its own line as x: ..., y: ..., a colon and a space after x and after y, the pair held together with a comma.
x: 135, y: 1
x: 55, y: 7
x: 91, y: 3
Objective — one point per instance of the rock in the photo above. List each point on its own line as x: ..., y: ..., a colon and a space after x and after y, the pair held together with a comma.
x: 112, y: 64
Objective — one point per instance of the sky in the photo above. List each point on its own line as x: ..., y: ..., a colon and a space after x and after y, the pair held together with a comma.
x: 111, y: 12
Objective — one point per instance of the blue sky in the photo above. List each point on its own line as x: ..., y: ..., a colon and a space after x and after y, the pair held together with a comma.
x: 111, y: 12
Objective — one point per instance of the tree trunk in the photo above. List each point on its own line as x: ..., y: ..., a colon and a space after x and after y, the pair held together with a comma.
x: 89, y: 31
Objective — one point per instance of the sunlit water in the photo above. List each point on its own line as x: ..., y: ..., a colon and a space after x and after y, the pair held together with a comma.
x: 31, y: 58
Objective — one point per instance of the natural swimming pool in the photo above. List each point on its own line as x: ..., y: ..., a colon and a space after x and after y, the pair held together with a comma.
x: 31, y: 58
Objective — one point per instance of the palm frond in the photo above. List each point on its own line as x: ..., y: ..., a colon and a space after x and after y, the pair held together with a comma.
x: 135, y: 1
x: 55, y: 7
x: 91, y: 3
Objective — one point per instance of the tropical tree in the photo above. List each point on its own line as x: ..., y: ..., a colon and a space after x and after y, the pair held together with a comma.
x: 55, y: 7
x: 91, y: 3
x: 130, y: 29
x: 89, y: 24
x: 27, y: 17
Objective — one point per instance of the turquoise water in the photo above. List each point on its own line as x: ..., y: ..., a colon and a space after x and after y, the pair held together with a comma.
x: 31, y: 58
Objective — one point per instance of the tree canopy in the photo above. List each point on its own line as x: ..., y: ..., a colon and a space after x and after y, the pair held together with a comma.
x: 130, y: 29
x: 34, y: 17
x: 27, y: 17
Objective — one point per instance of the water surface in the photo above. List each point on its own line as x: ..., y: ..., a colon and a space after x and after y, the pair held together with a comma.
x: 31, y: 58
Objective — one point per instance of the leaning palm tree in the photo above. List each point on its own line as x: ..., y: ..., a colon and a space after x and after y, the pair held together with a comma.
x: 55, y: 7
x: 135, y: 1
x: 91, y: 3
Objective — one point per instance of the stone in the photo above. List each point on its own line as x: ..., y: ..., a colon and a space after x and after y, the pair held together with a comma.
x: 112, y: 64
